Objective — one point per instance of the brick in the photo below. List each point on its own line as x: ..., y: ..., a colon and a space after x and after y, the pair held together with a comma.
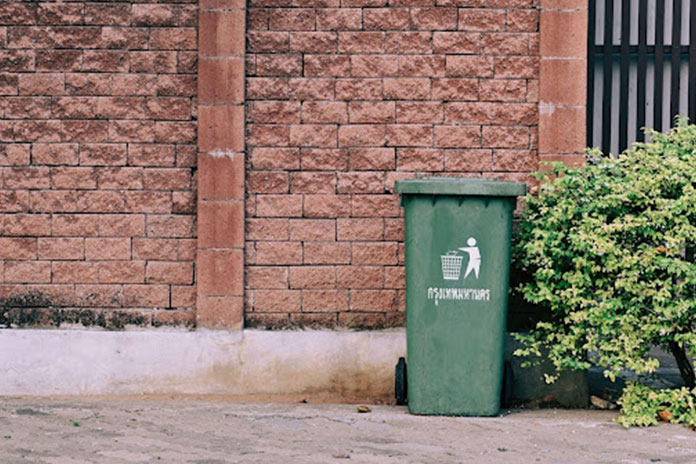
x: 112, y: 14
x: 28, y: 108
x: 313, y: 135
x: 324, y: 300
x: 515, y: 160
x: 361, y: 42
x: 152, y: 61
x: 61, y: 248
x: 311, y: 89
x: 522, y: 20
x: 361, y: 135
x: 156, y: 296
x: 326, y: 253
x: 73, y: 178
x: 371, y: 112
x: 120, y: 178
x: 373, y: 300
x: 26, y: 225
x: 88, y: 84
x: 124, y: 38
x: 259, y: 88
x: 314, y: 277
x: 502, y: 90
x: 457, y: 136
x: 505, y: 137
x: 326, y: 206
x: 324, y: 112
x: 164, y: 15
x: 220, y: 272
x: 563, y: 33
x: 312, y: 230
x: 276, y: 300
x: 267, y: 182
x: 103, y: 154
x: 419, y: 112
x: 41, y: 84
x: 74, y: 225
x: 267, y: 229
x: 27, y: 178
x: 419, y: 159
x: 472, y: 19
x: 407, y: 89
x: 26, y: 272
x: 312, y: 182
x: 370, y: 159
x: 118, y: 272
x: 441, y: 19
x: 220, y: 224
x: 268, y: 41
x: 58, y: 60
x: 359, y: 89
x: 386, y: 19
x: 107, y: 249
x: 266, y: 277
x: 281, y: 65
x: 221, y: 81
x: 100, y: 201
x: 360, y: 229
x: 318, y: 159
x: 353, y: 277
x: 164, y: 272
x: 373, y: 66
x: 14, y: 201
x: 17, y: 60
x: 179, y: 226
x: 517, y: 67
x: 505, y: 43
x: 180, y: 132
x: 361, y: 182
x: 557, y: 120
x: 53, y: 201
x: 286, y: 19
x: 362, y: 321
x: 221, y: 177
x: 313, y: 42
x: 183, y: 296
x: 177, y: 38
x: 167, y: 178
x: 394, y: 229
x: 221, y: 128
x: 131, y: 131
x: 274, y: 112
x: 341, y: 19
x: 168, y: 108
x: 150, y: 155
x: 327, y: 65
x: 409, y: 135
x: 74, y: 272
x: 563, y: 82
x: 277, y: 253
x: 121, y: 225
x: 12, y: 13
x: 55, y: 153
x: 366, y: 205
x: 102, y: 60
x: 60, y: 14
x: 408, y: 42
x: 220, y: 312
x: 469, y: 66
x: 155, y: 249
x: 279, y: 206
x: 18, y: 248
x: 75, y: 108
x: 275, y: 158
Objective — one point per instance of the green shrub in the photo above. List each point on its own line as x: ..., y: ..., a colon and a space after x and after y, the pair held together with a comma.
x: 607, y: 246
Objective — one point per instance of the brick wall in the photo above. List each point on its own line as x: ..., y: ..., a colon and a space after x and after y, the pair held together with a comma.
x: 344, y: 97
x: 97, y: 155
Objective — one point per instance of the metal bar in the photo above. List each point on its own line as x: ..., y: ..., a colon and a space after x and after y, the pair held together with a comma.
x: 659, y: 62
x: 607, y: 72
x: 589, y: 110
x: 692, y: 62
x: 642, y: 67
x: 616, y: 49
x: 623, y: 73
x: 676, y: 60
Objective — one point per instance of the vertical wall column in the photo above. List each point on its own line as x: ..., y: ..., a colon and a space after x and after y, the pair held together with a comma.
x: 562, y: 80
x: 220, y: 263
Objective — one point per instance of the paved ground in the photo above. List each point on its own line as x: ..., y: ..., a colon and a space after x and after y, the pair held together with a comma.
x: 205, y: 431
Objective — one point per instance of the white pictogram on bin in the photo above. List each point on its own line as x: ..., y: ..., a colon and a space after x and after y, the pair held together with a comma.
x: 451, y: 265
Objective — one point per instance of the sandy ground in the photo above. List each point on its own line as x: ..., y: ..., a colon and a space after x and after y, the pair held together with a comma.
x: 213, y: 431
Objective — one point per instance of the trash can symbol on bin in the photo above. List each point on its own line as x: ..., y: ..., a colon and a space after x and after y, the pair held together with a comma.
x: 458, y: 234
x: 451, y: 265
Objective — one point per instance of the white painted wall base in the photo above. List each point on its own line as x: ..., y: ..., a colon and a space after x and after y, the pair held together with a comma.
x: 335, y: 364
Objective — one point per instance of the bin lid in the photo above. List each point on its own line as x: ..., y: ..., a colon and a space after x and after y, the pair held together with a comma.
x: 460, y: 186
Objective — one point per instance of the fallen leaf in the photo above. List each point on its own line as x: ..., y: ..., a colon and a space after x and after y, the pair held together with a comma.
x: 665, y: 416
x: 364, y: 409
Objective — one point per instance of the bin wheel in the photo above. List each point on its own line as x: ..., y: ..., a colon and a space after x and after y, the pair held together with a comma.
x: 400, y: 386
x: 506, y: 392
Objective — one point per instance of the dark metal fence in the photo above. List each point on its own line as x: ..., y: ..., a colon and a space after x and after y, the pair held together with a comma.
x: 641, y: 68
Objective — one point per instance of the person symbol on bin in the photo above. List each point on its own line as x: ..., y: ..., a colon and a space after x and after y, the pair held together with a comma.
x: 474, y: 263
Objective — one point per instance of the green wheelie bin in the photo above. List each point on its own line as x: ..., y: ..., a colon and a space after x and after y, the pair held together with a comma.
x: 457, y: 277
